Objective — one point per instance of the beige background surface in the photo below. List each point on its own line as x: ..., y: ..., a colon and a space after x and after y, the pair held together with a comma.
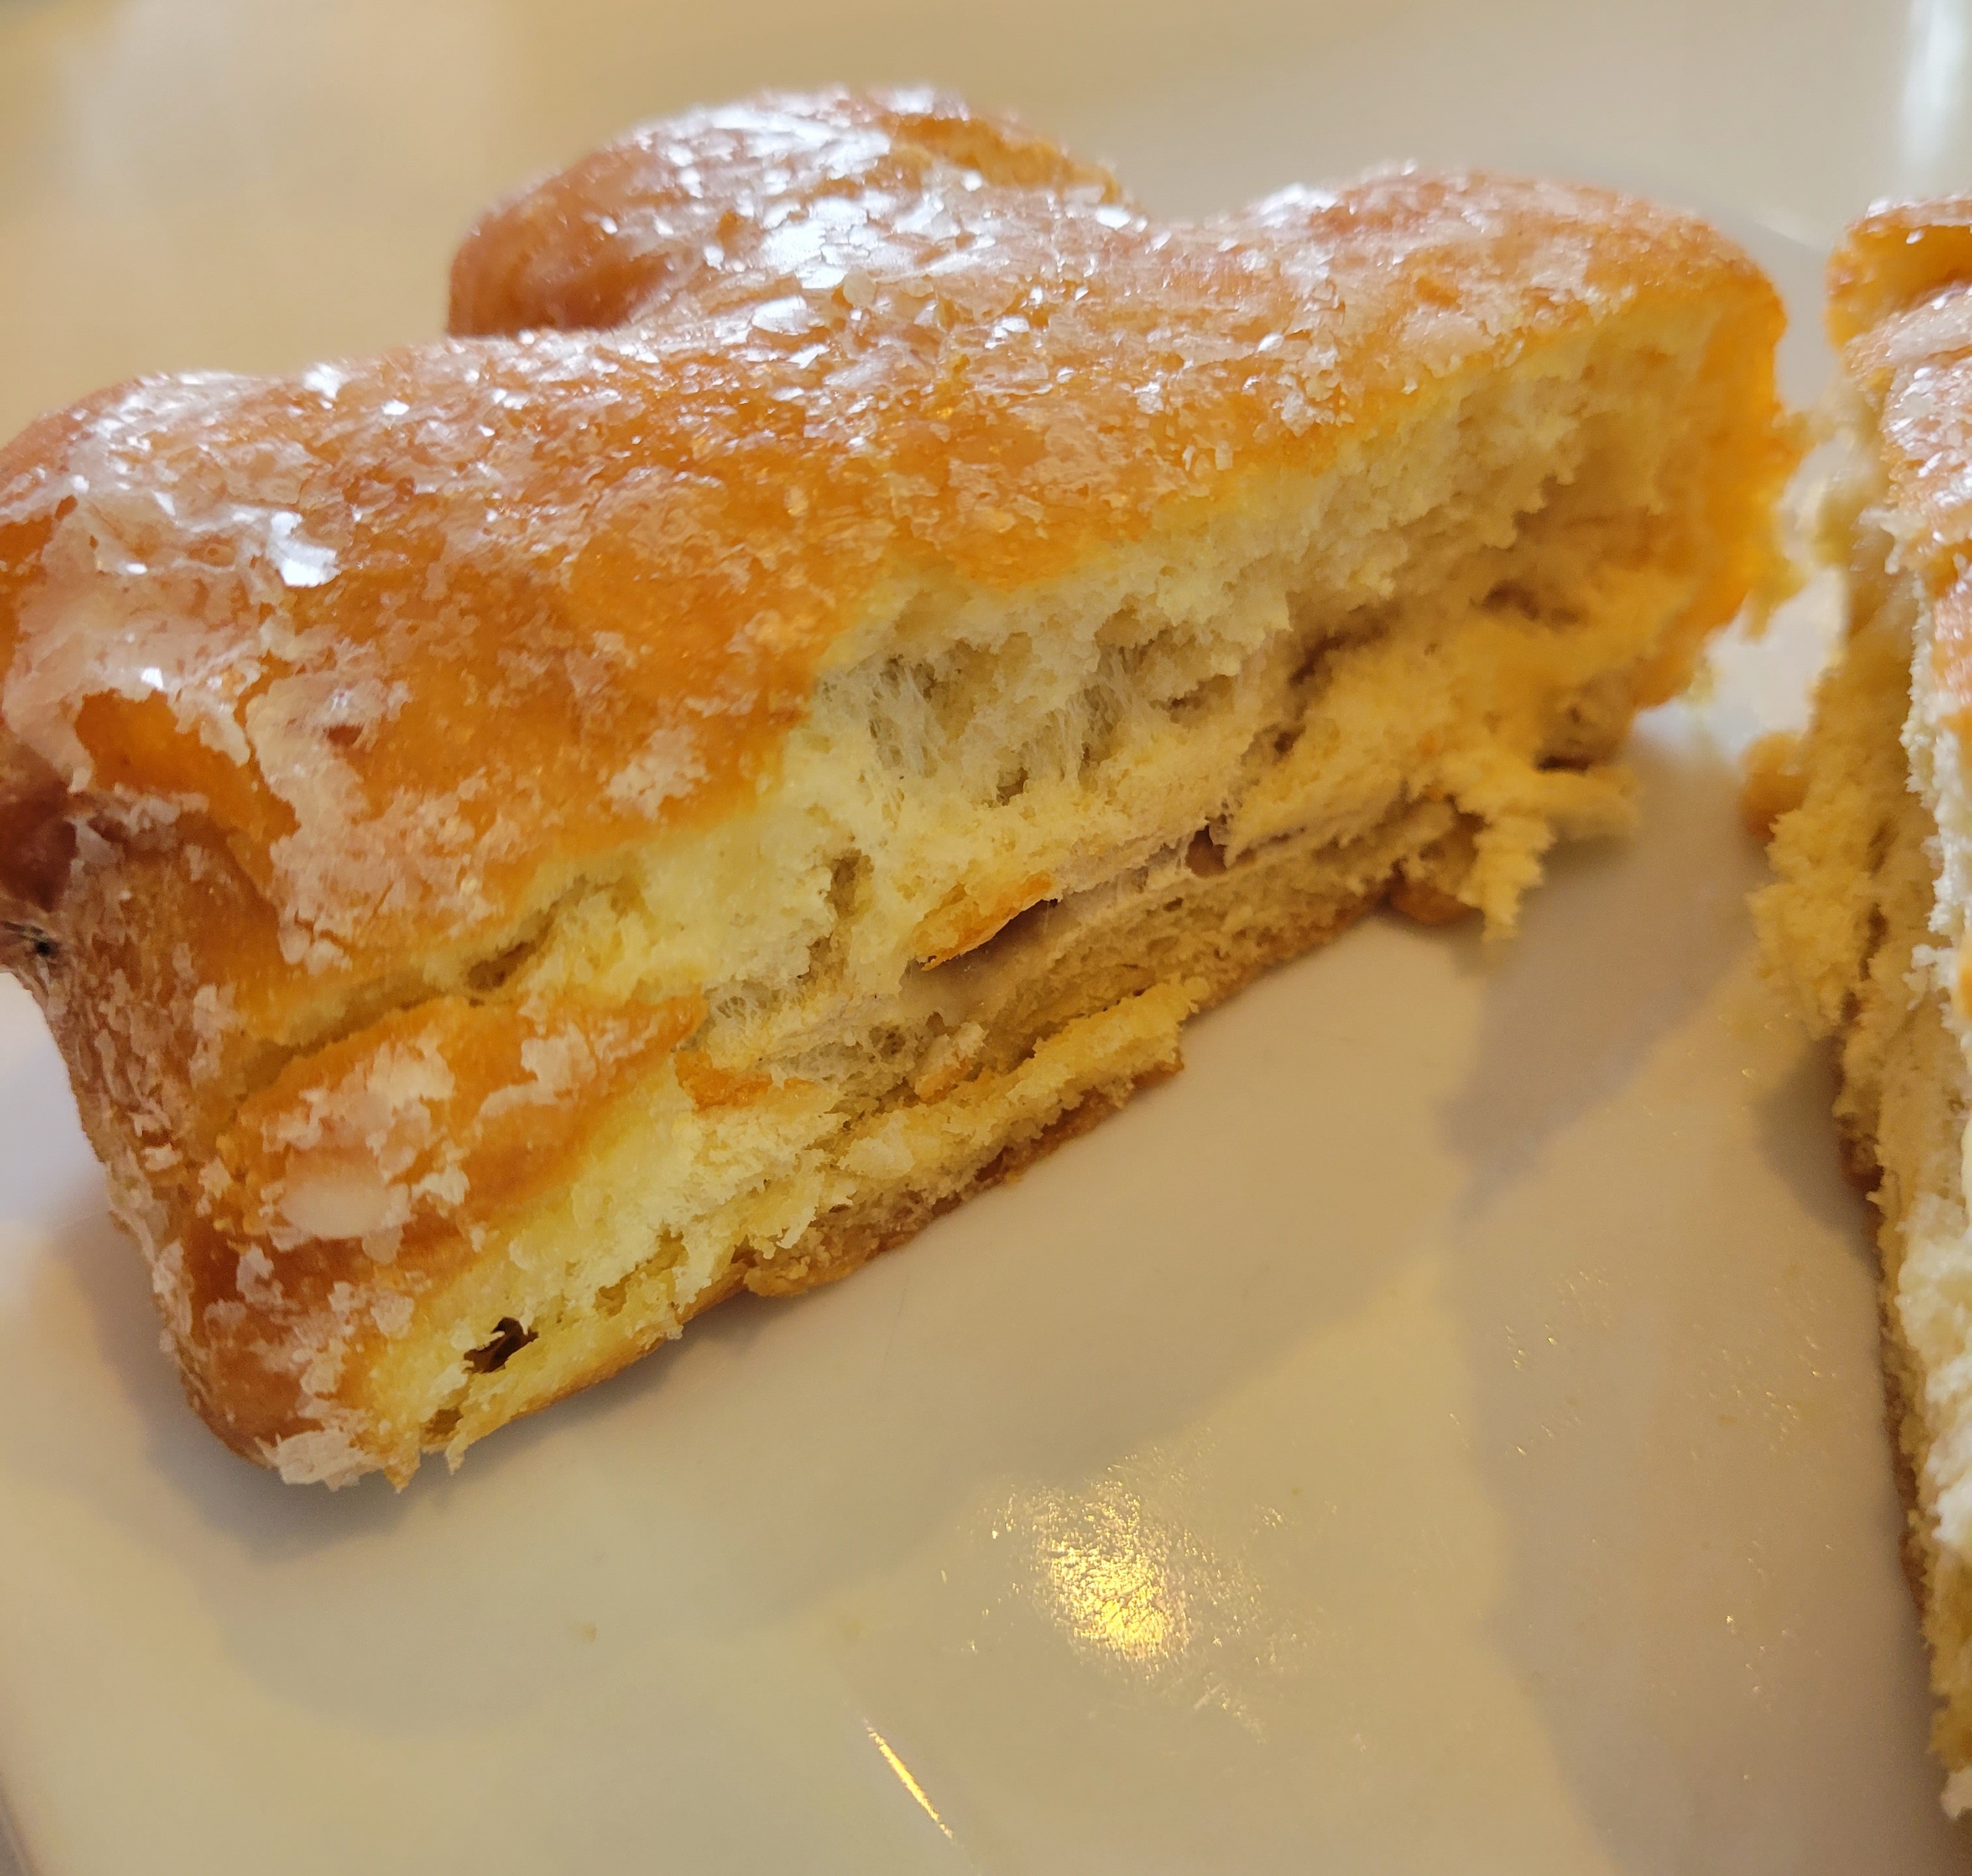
x: 1450, y: 1439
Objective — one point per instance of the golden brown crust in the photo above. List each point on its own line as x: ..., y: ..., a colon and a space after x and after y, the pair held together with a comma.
x: 1905, y: 1425
x: 1937, y: 1578
x: 674, y: 209
x: 1900, y: 308
x: 847, y: 1240
x: 1896, y: 256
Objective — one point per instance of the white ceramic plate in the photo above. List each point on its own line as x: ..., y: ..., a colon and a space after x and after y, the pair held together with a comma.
x: 1452, y: 1440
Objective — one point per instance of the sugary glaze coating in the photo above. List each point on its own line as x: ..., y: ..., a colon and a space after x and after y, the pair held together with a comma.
x: 1900, y: 309
x: 321, y: 691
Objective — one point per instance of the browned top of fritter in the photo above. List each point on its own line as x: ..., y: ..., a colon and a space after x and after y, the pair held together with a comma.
x: 411, y: 641
x: 1900, y: 308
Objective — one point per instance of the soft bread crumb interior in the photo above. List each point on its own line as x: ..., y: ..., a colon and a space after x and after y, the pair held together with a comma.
x: 1863, y: 926
x: 1019, y: 837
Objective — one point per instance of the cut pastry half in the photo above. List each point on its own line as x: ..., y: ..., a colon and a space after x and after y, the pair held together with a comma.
x: 859, y: 633
x: 1865, y: 923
